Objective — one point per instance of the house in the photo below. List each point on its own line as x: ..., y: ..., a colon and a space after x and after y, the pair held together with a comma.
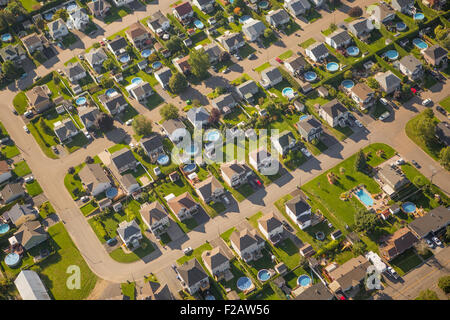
x: 284, y: 142
x: 263, y: 161
x: 138, y: 35
x: 94, y: 179
x: 295, y: 64
x: 123, y: 160
x: 271, y: 227
x: 11, y: 192
x: 363, y: 95
x: 57, y: 29
x: 39, y: 99
x: 120, y: 3
x: 193, y: 277
x: 382, y: 13
x: 209, y: 189
x: 442, y: 132
x: 75, y: 72
x: 278, y: 18
x: 155, y: 217
x: 13, y: 53
x: 247, y: 244
x: 253, y: 29
x: 392, y: 179
x: 117, y: 46
x: 271, y: 77
x: 248, y: 90
x: 234, y: 173
x: 175, y: 130
x: 361, y: 28
x: 231, y: 42
x: 130, y: 234
x: 433, y: 223
x: 213, y: 51
x: 114, y: 103
x: 394, y: 209
x: 349, y: 275
x: 78, y: 19
x: 334, y: 113
x: 397, y: 243
x: 158, y: 22
x: 435, y: 55
x: 317, y: 52
x: 163, y: 76
x: 309, y: 128
x: 140, y: 91
x: 182, y: 64
x: 388, y: 81
x: 317, y: 3
x: 322, y: 91
x: 20, y: 213
x: 404, y: 6
x: 199, y: 117
x: 129, y: 184
x: 30, y: 234
x: 32, y: 43
x: 206, y: 6
x: 183, y: 12
x: 183, y: 206
x: 30, y: 286
x: 152, y: 146
x: 5, y: 171
x: 299, y: 211
x: 154, y: 291
x: 95, y: 58
x: 225, y: 103
x: 65, y: 130
x: 99, y: 8
x: 338, y: 39
x: 411, y: 67
x: 297, y: 7
x: 216, y: 262
x: 317, y: 291
x: 88, y: 115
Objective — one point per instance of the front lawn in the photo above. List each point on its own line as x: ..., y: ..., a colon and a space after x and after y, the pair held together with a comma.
x: 431, y: 149
x: 445, y: 104
x: 307, y: 43
x: 33, y: 188
x: 144, y: 250
x: 73, y: 183
x: 262, y: 67
x: 406, y: 262
x: 21, y: 169
x: 196, y: 253
x: 129, y: 290
x: 88, y: 208
x: 20, y: 102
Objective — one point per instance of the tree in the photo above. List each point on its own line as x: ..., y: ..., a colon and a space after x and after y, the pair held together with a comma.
x: 422, y: 247
x: 427, y: 295
x: 365, y: 221
x: 61, y: 13
x: 71, y: 170
x: 360, y: 162
x: 237, y: 11
x: 89, y: 159
x: 109, y: 64
x: 106, y: 82
x: 10, y: 70
x: 372, y: 83
x: 169, y: 111
x: 141, y: 125
x: 44, y: 126
x: 447, y: 233
x: 177, y: 83
x: 15, y: 8
x: 348, y: 74
x: 96, y: 45
x: 268, y: 33
x: 425, y: 129
x: 130, y: 50
x: 104, y: 122
x: 355, y: 12
x: 440, y: 32
x: 199, y: 62
x: 174, y: 44
x: 214, y: 116
x: 332, y: 27
x: 444, y: 284
x: 444, y: 157
x: 359, y: 248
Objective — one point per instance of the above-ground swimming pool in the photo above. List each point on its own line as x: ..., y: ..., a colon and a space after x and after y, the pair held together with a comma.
x: 288, y: 92
x: 391, y: 54
x: 419, y: 43
x: 12, y: 259
x: 4, y: 228
x: 244, y: 18
x: 163, y: 159
x: 304, y: 280
x: 303, y: 117
x: 156, y: 65
x: 111, y: 192
x: 320, y: 235
x: 244, y: 283
x: 348, y: 84
x: 198, y: 24
x: 146, y: 53
x: 419, y: 16
x: 263, y: 275
x: 6, y: 37
x: 191, y: 167
x: 332, y: 67
x: 81, y: 101
x: 263, y: 4
x: 353, y: 51
x: 110, y: 92
x: 136, y: 80
x: 364, y: 197
x: 124, y: 58
x: 71, y: 7
x: 400, y: 26
x: 310, y: 76
x: 409, y: 207
x: 213, y: 135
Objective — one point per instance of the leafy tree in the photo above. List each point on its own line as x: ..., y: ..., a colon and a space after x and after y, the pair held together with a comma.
x: 96, y: 45
x: 177, y: 83
x: 427, y: 295
x: 61, y: 13
x: 109, y: 64
x: 372, y: 83
x: 220, y: 18
x: 332, y: 27
x: 106, y: 82
x: 440, y: 32
x: 224, y: 56
x: 57, y: 80
x: 422, y: 247
x: 214, y: 116
x: 89, y: 159
x: 268, y: 33
x: 444, y: 284
x: 444, y: 157
x: 348, y: 74
x: 104, y: 122
x: 196, y: 103
x: 10, y: 70
x: 446, y: 42
x: 199, y: 62
x: 360, y: 162
x: 359, y: 248
x: 141, y: 125
x: 130, y: 50
x: 15, y: 8
x: 239, y: 4
x: 425, y: 129
x: 6, y: 285
x: 169, y: 111
x: 355, y: 12
x: 365, y: 221
x: 44, y: 126
x: 174, y: 44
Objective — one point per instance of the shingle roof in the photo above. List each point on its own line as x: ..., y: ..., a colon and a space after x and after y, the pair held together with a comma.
x: 248, y: 86
x: 128, y: 229
x: 118, y: 43
x: 183, y: 9
x: 74, y: 69
x: 334, y: 108
x: 198, y: 115
x: 207, y: 187
x: 340, y: 36
x: 244, y: 239
x: 435, y: 52
x: 410, y: 62
x: 164, y: 74
x: 192, y: 272
x: 318, y: 49
x: 296, y: 62
x: 233, y: 168
x: 317, y: 291
x: 19, y: 210
x: 269, y: 222
x: 151, y: 143
x: 278, y: 16
x: 362, y: 90
x: 297, y: 205
x: 433, y: 221
x: 223, y: 101
x: 112, y: 102
x: 308, y: 123
x: 27, y: 231
x: 153, y: 212
x: 96, y: 56
x: 92, y: 174
x: 398, y: 242
x: 88, y: 114
x: 122, y: 157
x: 214, y: 258
x: 136, y: 30
x: 271, y: 73
x: 173, y: 124
x: 65, y: 129
x: 184, y: 200
x: 387, y: 80
x: 285, y: 138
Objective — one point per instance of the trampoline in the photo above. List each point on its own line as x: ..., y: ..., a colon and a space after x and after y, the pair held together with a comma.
x: 111, y: 193
x: 4, y: 228
x: 332, y: 67
x: 244, y: 283
x: 310, y: 76
x: 320, y: 235
x: 163, y: 160
x: 348, y: 84
x: 12, y: 259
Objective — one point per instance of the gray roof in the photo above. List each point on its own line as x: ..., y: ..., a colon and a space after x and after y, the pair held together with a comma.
x: 431, y: 222
x: 340, y: 36
x: 88, y: 114
x: 141, y: 89
x: 271, y: 73
x: 298, y: 6
x: 192, y: 272
x: 171, y: 125
x: 197, y: 115
x: 297, y: 205
x: 249, y: 86
x: 157, y: 19
x: 307, y: 124
x: 381, y: 11
x: 122, y: 158
x: 269, y: 222
x: 334, y: 108
x: 65, y: 129
x: 164, y: 74
x: 19, y: 210
x: 74, y: 69
x: 358, y: 27
x: 55, y: 25
x: 207, y: 187
x: 128, y: 180
x: 214, y: 258
x: 398, y: 4
x: 223, y: 101
x: 297, y: 62
x: 387, y: 80
x: 12, y: 190
x: 30, y: 286
x: 11, y: 50
x: 231, y: 40
x: 278, y: 16
x: 212, y: 50
x: 118, y: 43
x: 114, y: 102
x: 410, y: 62
x: 128, y: 230
x: 317, y: 291
x: 254, y: 27
x: 152, y: 212
x: 285, y: 138
x: 96, y: 56
x: 151, y: 143
x: 92, y: 174
x: 392, y: 177
x: 435, y: 51
x: 318, y: 49
x: 244, y: 239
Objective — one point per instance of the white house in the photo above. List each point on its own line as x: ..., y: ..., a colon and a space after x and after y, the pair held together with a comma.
x: 183, y: 206
x: 94, y: 178
x: 234, y: 173
x: 247, y: 244
x: 130, y: 234
x: 78, y: 19
x: 284, y: 142
x: 317, y: 51
x: 57, y: 29
x: 253, y: 29
x: 338, y: 39
x: 271, y: 77
x: 334, y: 113
x: 216, y: 262
x: 30, y: 286
x: 297, y: 7
x: 262, y: 160
x: 299, y: 211
x: 277, y: 18
x: 271, y: 227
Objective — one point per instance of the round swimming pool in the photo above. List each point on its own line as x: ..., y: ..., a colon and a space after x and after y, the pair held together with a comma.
x: 409, y: 207
x: 400, y: 26
x: 111, y: 192
x: 210, y: 297
x: 303, y: 117
x: 419, y: 16
x: 198, y: 24
x: 310, y: 76
x: 12, y: 259
x: 288, y: 92
x: 244, y: 18
x: 124, y: 58
x: 4, y: 228
x: 304, y: 280
x: 244, y: 283
x: 48, y: 16
x: 213, y: 135
x: 392, y: 54
x: 156, y: 65
x: 353, y: 51
x: 263, y: 4
x: 6, y: 37
x: 419, y: 43
x: 348, y: 84
x: 263, y: 275
x: 191, y: 167
x: 163, y: 159
x: 136, y: 80
x: 72, y: 7
x: 332, y: 67
x: 110, y: 92
x: 81, y: 101
x: 146, y: 53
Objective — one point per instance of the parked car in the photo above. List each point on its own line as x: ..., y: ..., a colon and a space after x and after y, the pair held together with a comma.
x: 441, y: 110
x: 226, y: 70
x: 129, y: 122
x: 427, y: 102
x: 84, y: 198
x: 430, y: 243
x: 306, y: 152
x: 55, y: 149
x: 358, y: 123
x: 111, y: 242
x: 187, y: 250
x: 60, y: 45
x: 384, y: 101
x: 252, y: 56
x: 415, y: 164
x: 26, y: 129
x: 174, y: 267
x: 28, y: 179
x: 278, y: 60
x: 400, y: 162
x: 384, y: 115
x: 28, y: 114
x: 437, y: 241
x: 36, y: 78
x: 392, y: 272
x: 225, y: 199
x: 14, y: 111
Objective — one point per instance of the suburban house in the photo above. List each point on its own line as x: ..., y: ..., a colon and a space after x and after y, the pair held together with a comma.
x: 234, y: 173
x: 284, y: 142
x: 297, y: 7
x: 309, y: 128
x: 271, y: 77
x: 30, y: 286
x: 349, y: 275
x: 175, y: 130
x: 213, y: 51
x: 216, y: 262
x: 361, y: 28
x: 193, y: 277
x: 317, y: 52
x: 117, y: 46
x: 94, y: 179
x: 334, y: 113
x: 435, y: 55
x: 209, y: 189
x: 11, y: 192
x: 129, y: 184
x: 57, y: 29
x: 88, y: 115
x: 39, y: 99
x: 225, y: 103
x: 253, y: 29
x: 123, y: 160
x: 182, y: 65
x: 411, y: 67
x: 338, y: 39
x: 433, y: 223
x: 13, y: 53
x: 397, y: 243
x: 382, y: 13
x: 152, y: 146
x: 231, y: 42
x: 75, y: 72
x: 120, y: 3
x: 363, y: 95
x: 278, y: 18
x: 261, y: 160
x: 404, y: 6
x: 247, y: 244
x: 78, y: 19
x: 183, y: 206
x: 158, y: 22
x: 295, y: 64
x: 30, y: 234
x: 140, y: 91
x: 114, y: 103
x: 199, y: 117
x: 154, y: 291
x: 138, y: 35
x: 99, y: 8
x: 248, y: 90
x: 204, y: 5
x: 95, y: 58
x: 442, y: 132
x: 5, y: 171
x: 317, y: 291
x: 163, y: 76
x: 388, y: 81
x: 271, y: 227
x: 183, y: 12
x: 65, y: 130
x: 155, y: 217
x: 299, y: 211
x: 21, y: 213
x: 130, y: 234
x: 32, y: 43
x: 392, y: 180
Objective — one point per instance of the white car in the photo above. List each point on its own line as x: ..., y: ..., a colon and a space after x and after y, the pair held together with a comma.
x: 426, y: 102
x: 384, y: 115
x: 84, y: 198
x: 306, y: 152
x: 187, y: 250
x: 384, y: 101
x: 28, y: 179
x: 437, y: 241
x: 392, y: 272
x: 358, y: 123
x: 400, y: 162
x: 225, y: 199
x: 26, y: 129
x: 129, y: 122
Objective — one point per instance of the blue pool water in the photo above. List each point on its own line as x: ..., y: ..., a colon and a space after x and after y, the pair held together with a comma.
x: 136, y: 80
x: 364, y: 197
x: 263, y: 4
x: 109, y: 92
x: 210, y: 297
x: 303, y: 117
x: 6, y: 37
x: 198, y: 24
x: 332, y: 66
x: 48, y: 16
x: 287, y: 92
x: 310, y: 76
x: 163, y: 159
x: 244, y: 18
x: 80, y: 101
x: 400, y: 26
x: 409, y: 207
x: 156, y: 65
x: 263, y: 275
x: 12, y: 259
x: 347, y: 84
x: 213, y: 135
x: 146, y: 53
x: 4, y: 228
x: 244, y: 283
x: 419, y: 43
x: 353, y: 51
x: 190, y: 167
x: 419, y: 16
x: 72, y: 7
x: 111, y: 192
x: 392, y: 54
x: 124, y: 58
x: 304, y: 280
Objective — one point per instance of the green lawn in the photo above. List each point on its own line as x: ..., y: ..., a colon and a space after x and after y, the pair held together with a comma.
x: 432, y: 149
x: 89, y: 207
x: 253, y: 220
x: 227, y: 234
x: 33, y: 188
x: 10, y: 151
x: 263, y: 67
x: 129, y: 290
x: 21, y: 169
x: 307, y: 43
x: 20, y: 102
x: 73, y: 182
x: 445, y: 104
x: 406, y: 262
x: 46, y: 209
x: 196, y: 253
x: 30, y: 5
x: 288, y: 252
x: 286, y: 55
x: 145, y: 249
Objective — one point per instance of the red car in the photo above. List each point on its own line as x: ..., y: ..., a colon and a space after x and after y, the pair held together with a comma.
x: 278, y: 60
x: 258, y: 182
x: 102, y: 43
